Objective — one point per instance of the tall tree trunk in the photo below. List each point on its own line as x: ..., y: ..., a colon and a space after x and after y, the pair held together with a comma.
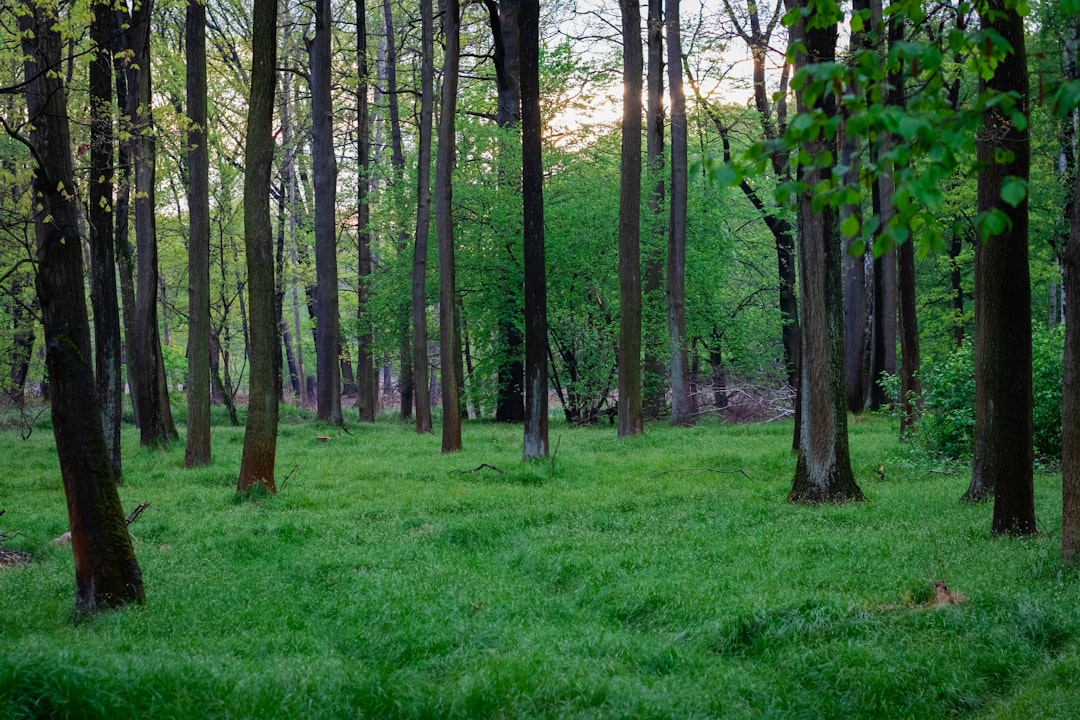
x: 910, y: 387
x: 106, y: 571
x: 423, y: 220
x: 107, y: 346
x: 653, y: 310
x: 682, y: 410
x: 279, y: 295
x: 854, y: 264
x: 198, y: 162
x: 532, y: 200
x: 152, y: 395
x: 444, y: 229
x: 260, y: 436
x: 406, y: 381
x: 327, y: 319
x: 1070, y: 391
x: 367, y: 382
x: 1002, y: 460
x: 630, y: 418
x: 125, y: 257
x: 823, y: 471
x: 504, y: 19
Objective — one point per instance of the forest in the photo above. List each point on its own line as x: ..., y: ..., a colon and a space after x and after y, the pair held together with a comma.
x: 499, y: 247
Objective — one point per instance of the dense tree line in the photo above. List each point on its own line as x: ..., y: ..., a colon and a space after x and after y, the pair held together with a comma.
x: 844, y: 217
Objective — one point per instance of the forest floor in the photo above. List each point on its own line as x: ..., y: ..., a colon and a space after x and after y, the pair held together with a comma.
x: 656, y: 577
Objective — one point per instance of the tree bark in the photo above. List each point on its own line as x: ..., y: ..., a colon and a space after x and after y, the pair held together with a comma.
x: 407, y: 378
x: 1070, y: 391
x: 324, y: 171
x: 107, y: 346
x: 532, y: 200
x: 444, y: 229
x: 366, y: 380
x: 682, y: 410
x: 823, y: 470
x: 504, y: 19
x: 630, y: 417
x: 155, y: 424
x: 1002, y: 461
x: 260, y: 436
x: 653, y: 310
x: 197, y: 451
x: 423, y: 220
x: 106, y: 571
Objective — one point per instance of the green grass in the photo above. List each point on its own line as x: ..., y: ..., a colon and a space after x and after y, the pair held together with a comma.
x: 662, y: 576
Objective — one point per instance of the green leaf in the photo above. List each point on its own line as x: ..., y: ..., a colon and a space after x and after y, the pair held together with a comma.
x: 850, y: 226
x: 724, y: 175
x: 1014, y: 190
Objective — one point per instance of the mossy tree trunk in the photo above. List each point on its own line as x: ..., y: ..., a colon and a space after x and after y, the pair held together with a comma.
x: 260, y: 436
x: 106, y: 571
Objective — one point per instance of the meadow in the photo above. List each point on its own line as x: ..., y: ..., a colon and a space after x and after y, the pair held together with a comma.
x: 656, y: 577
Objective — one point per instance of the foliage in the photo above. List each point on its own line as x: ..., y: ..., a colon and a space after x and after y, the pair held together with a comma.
x: 648, y: 579
x: 947, y: 424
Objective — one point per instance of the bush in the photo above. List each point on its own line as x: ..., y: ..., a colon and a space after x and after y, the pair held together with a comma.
x: 947, y: 425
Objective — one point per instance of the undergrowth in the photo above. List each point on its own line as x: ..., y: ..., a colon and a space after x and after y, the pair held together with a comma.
x: 662, y: 576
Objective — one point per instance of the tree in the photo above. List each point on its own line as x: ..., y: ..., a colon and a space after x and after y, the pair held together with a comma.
x: 106, y: 571
x: 1070, y: 392
x: 682, y: 411
x: 444, y: 229
x: 653, y: 260
x: 367, y: 382
x: 327, y: 319
x: 260, y: 436
x: 407, y: 382
x: 823, y: 470
x: 532, y: 200
x: 1003, y: 456
x: 107, y: 346
x: 152, y: 395
x: 197, y: 451
x: 423, y: 220
x: 630, y: 419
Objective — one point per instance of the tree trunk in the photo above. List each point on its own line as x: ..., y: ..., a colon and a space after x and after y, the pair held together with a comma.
x: 198, y: 161
x: 107, y: 346
x: 366, y: 381
x: 1002, y: 460
x: 630, y: 417
x: 823, y: 471
x: 23, y: 327
x: 423, y: 221
x: 106, y: 571
x: 324, y: 171
x: 1070, y: 391
x: 532, y: 200
x: 682, y: 411
x: 654, y: 382
x: 152, y: 394
x: 504, y: 19
x: 406, y: 380
x: 260, y: 436
x: 444, y: 229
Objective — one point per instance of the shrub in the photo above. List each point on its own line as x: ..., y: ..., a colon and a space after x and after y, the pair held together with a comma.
x: 947, y: 425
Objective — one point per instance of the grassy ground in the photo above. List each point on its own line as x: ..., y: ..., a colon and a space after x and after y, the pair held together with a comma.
x: 660, y: 577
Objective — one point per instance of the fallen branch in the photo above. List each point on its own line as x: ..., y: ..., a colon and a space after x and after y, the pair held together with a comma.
x: 138, y: 511
x: 739, y: 471
x: 478, y: 468
x: 286, y: 478
x: 936, y: 472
